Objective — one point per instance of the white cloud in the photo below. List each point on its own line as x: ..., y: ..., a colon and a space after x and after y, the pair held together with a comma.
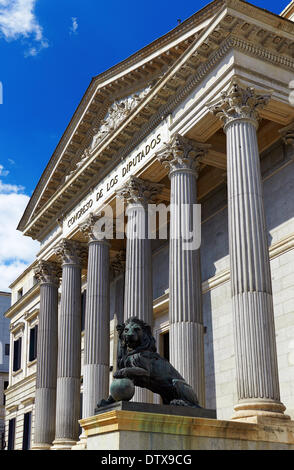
x: 3, y: 172
x: 8, y: 273
x: 17, y: 20
x: 6, y: 188
x: 16, y: 250
x: 74, y: 26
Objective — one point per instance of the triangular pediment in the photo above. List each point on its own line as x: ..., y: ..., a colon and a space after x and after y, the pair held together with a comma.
x: 110, y: 98
x: 124, y: 99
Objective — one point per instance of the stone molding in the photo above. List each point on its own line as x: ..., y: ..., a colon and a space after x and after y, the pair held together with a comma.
x: 239, y: 103
x: 48, y: 272
x: 182, y: 154
x: 17, y: 329
x: 287, y: 134
x: 138, y: 191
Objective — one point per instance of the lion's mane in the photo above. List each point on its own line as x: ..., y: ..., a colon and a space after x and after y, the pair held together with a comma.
x: 147, y: 341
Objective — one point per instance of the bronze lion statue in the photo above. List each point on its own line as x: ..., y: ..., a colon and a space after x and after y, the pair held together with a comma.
x: 139, y: 361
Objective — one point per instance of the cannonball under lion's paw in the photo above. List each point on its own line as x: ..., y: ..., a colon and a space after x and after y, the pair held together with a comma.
x: 122, y: 389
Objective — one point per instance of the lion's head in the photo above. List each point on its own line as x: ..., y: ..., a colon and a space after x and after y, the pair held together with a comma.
x: 135, y: 336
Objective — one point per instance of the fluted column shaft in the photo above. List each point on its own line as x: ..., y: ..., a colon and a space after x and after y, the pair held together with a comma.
x: 69, y: 349
x: 251, y: 286
x: 182, y: 157
x: 257, y: 370
x: 185, y: 311
x: 45, y: 398
x: 138, y: 272
x: 96, y: 339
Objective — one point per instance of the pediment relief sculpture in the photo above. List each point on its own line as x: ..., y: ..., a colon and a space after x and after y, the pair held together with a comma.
x: 117, y: 112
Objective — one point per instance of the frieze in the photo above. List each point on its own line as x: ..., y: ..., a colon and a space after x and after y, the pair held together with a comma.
x: 109, y: 185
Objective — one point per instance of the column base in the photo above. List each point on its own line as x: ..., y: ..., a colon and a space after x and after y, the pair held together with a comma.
x: 81, y: 444
x: 63, y: 444
x: 39, y: 446
x: 253, y: 411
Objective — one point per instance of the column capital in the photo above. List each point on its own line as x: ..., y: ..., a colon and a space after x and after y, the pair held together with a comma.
x: 138, y: 191
x: 182, y: 154
x: 239, y: 103
x: 48, y: 272
x: 93, y: 232
x: 71, y: 252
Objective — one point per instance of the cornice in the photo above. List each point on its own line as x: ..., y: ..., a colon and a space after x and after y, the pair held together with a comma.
x: 22, y: 301
x: 288, y: 12
x: 18, y: 328
x: 19, y: 385
x: 224, y: 33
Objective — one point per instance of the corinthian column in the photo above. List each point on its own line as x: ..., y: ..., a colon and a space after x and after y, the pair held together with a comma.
x: 69, y: 346
x: 138, y: 275
x: 251, y: 286
x: 96, y: 339
x: 182, y: 157
x: 45, y: 401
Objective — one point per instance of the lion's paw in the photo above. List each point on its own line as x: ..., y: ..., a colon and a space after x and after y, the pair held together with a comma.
x: 178, y: 402
x: 120, y: 374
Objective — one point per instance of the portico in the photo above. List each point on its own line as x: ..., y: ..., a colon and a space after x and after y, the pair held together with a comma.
x: 193, y: 134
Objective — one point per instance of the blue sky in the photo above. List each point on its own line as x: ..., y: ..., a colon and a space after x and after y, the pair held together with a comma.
x: 50, y: 50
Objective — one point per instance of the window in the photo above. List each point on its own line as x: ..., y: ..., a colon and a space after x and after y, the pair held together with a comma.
x: 7, y: 349
x: 84, y: 294
x: 11, y: 434
x: 17, y: 355
x: 5, y: 387
x: 26, y: 440
x: 165, y: 345
x: 33, y: 343
x: 19, y: 293
x: 81, y: 412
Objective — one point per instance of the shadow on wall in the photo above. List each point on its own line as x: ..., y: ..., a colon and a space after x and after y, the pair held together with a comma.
x: 279, y: 188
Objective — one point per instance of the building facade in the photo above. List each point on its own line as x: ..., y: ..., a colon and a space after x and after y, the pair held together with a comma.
x: 4, y: 360
x: 200, y: 117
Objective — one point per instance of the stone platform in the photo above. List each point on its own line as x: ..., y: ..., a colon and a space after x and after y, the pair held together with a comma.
x: 162, y: 409
x: 138, y: 426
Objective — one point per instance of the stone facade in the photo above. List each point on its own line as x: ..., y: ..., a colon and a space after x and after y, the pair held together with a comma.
x: 214, y: 129
x: 5, y: 300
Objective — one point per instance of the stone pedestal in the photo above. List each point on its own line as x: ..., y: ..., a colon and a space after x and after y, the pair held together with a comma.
x: 127, y: 427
